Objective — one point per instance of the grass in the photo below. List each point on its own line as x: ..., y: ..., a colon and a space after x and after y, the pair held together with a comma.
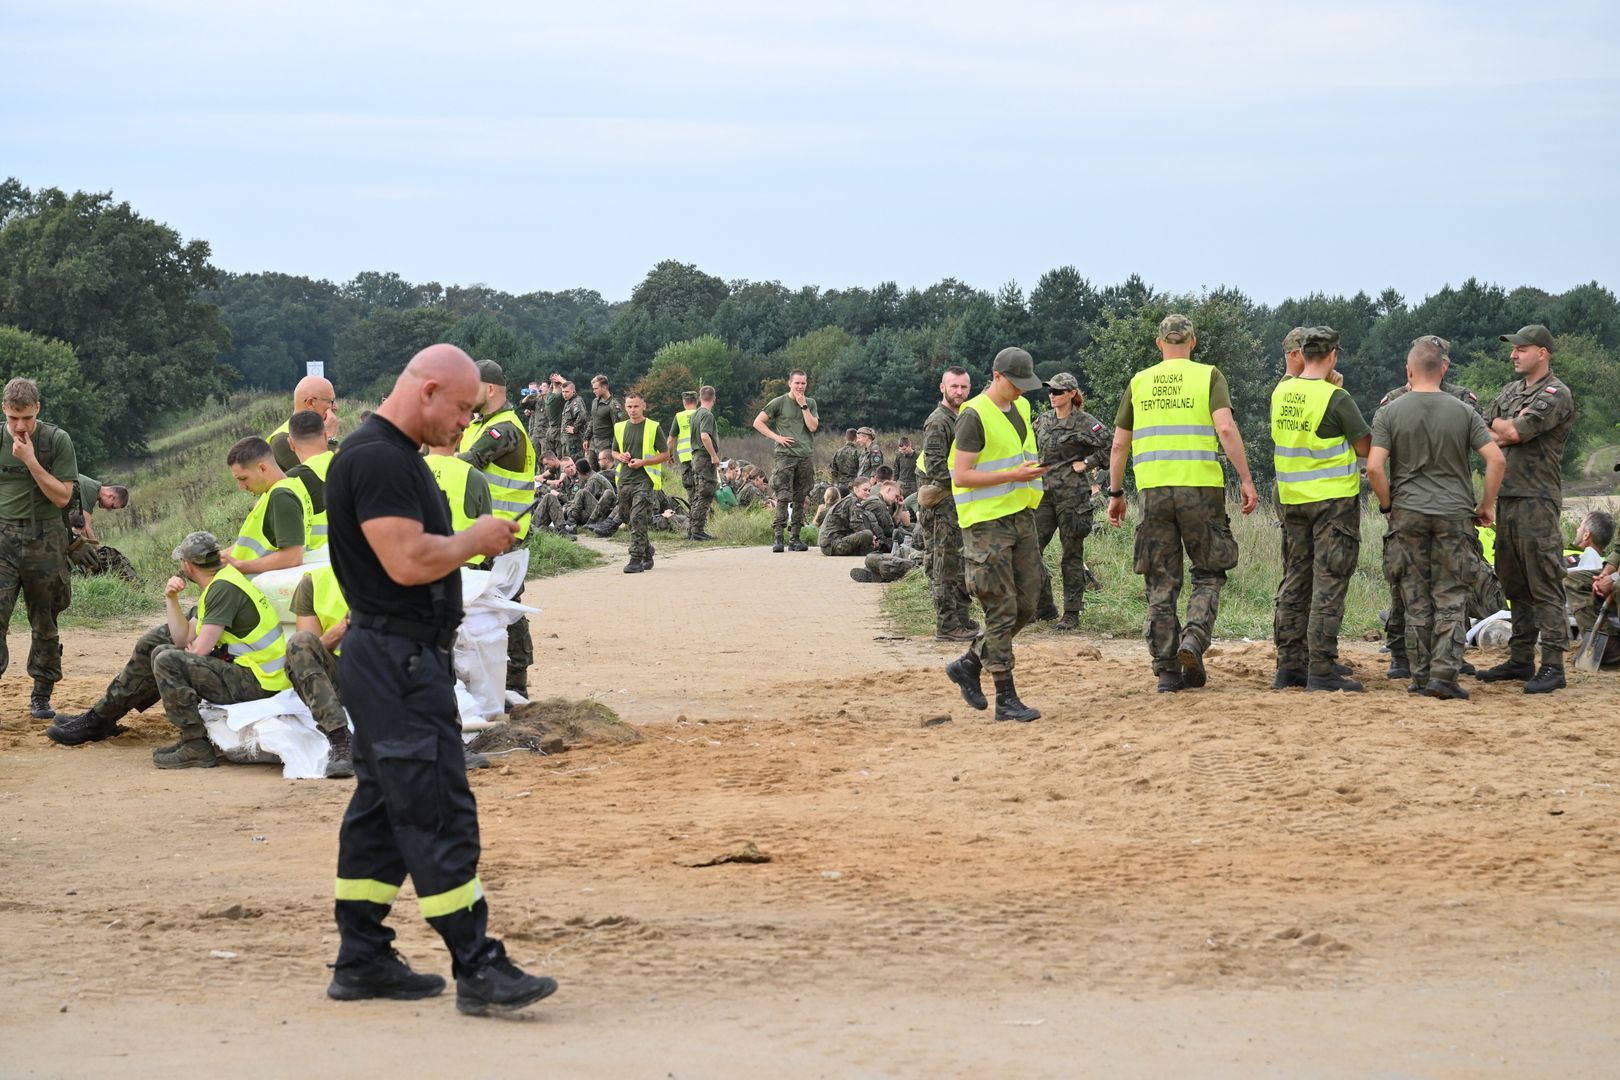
x: 550, y: 555
x: 1120, y: 609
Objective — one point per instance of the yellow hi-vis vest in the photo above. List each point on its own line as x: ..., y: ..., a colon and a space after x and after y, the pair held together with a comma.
x: 264, y: 650
x: 683, y: 435
x: 1309, y: 469
x: 451, y: 473
x: 649, y: 448
x: 510, y: 491
x: 1173, y: 443
x: 320, y: 465
x: 330, y: 606
x: 282, y: 430
x: 1002, y: 453
x: 252, y: 542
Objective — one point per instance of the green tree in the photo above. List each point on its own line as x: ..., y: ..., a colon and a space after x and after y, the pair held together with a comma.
x: 372, y: 352
x: 279, y: 323
x: 63, y: 402
x: 123, y: 291
x: 486, y: 337
x: 661, y: 389
x: 708, y: 361
x: 1063, y: 308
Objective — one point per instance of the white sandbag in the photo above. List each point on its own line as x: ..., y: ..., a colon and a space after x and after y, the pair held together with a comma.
x: 480, y: 652
x: 1492, y: 630
x: 277, y: 728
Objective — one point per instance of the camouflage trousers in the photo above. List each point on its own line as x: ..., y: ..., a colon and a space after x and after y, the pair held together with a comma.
x: 677, y: 523
x: 886, y: 567
x: 33, y: 562
x: 1002, y: 559
x: 1530, y: 565
x: 1321, y: 543
x: 856, y: 543
x: 700, y: 493
x: 1484, y: 595
x: 519, y: 649
x: 314, y: 673
x: 636, y: 502
x: 947, y: 577
x: 1582, y: 602
x: 1430, y: 558
x: 550, y: 511
x: 1069, y: 519
x: 1177, y: 519
x: 184, y: 678
x: 791, y: 479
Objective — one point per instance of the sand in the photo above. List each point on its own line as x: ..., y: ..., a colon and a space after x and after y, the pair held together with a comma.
x: 1227, y: 882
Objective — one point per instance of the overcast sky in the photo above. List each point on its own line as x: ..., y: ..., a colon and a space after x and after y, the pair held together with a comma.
x: 1282, y: 148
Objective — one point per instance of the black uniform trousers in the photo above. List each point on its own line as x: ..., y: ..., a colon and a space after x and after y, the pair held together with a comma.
x: 412, y: 811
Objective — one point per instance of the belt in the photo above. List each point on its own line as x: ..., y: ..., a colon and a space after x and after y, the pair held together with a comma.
x: 440, y: 637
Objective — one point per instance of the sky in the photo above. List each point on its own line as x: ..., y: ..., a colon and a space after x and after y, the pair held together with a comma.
x: 1279, y: 148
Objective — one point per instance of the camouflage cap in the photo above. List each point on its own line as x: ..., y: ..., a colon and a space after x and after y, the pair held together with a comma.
x: 1175, y: 330
x: 1319, y: 341
x: 1018, y: 367
x: 1062, y: 382
x: 1534, y: 334
x: 1294, y: 340
x: 868, y: 432
x: 490, y: 372
x: 199, y: 549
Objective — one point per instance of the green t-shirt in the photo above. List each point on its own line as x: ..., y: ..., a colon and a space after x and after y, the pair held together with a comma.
x: 303, y: 598
x: 478, y: 501
x: 284, y: 520
x: 89, y: 494
x: 634, y: 434
x: 1342, y: 420
x: 230, y: 607
x: 1219, y: 398
x: 312, y: 484
x: 970, y: 429
x: 703, y: 420
x: 1429, y: 437
x: 783, y: 416
x: 20, y: 497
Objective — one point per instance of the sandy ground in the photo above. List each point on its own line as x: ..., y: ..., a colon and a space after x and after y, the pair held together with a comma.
x: 1228, y: 882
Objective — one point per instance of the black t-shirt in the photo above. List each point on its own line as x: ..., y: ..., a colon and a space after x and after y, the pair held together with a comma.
x: 381, y: 474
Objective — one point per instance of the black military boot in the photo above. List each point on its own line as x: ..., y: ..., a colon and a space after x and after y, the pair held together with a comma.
x: 1288, y: 678
x: 863, y: 575
x: 1342, y: 669
x: 634, y: 566
x: 1465, y: 668
x: 1445, y: 691
x: 964, y: 672
x: 780, y: 545
x: 1548, y: 679
x: 389, y: 977
x: 1169, y: 682
x: 1191, y: 658
x: 500, y: 986
x: 1509, y: 671
x: 1332, y: 681
x: 340, y: 759
x: 796, y: 544
x: 1070, y: 621
x: 85, y: 727
x: 1399, y: 666
x: 39, y: 702
x: 191, y: 752
x: 1008, y: 707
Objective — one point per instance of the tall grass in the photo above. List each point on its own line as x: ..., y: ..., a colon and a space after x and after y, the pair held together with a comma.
x: 1120, y: 608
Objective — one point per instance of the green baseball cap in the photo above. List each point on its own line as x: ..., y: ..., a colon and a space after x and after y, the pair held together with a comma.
x: 198, y: 549
x: 1175, y: 330
x: 490, y: 372
x: 1319, y: 341
x: 1534, y: 334
x: 1063, y: 382
x: 1294, y: 340
x: 1019, y: 368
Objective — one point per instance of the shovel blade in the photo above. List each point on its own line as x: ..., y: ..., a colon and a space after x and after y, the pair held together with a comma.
x: 1590, y: 655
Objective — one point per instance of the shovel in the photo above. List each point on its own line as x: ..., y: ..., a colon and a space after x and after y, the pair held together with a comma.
x: 1589, y: 657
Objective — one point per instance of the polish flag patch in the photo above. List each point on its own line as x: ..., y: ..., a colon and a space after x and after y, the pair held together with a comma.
x: 1550, y: 390
x: 495, y: 433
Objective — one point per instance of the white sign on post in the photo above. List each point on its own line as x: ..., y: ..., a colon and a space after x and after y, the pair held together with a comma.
x: 316, y: 368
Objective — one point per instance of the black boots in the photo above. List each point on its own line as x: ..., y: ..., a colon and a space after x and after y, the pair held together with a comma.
x: 1334, y: 681
x: 500, y: 986
x: 1008, y: 707
x: 1191, y: 658
x: 390, y: 977
x: 39, y: 702
x: 1548, y: 679
x: 83, y: 728
x: 1288, y: 678
x: 964, y: 672
x: 340, y: 757
x: 1509, y: 671
x: 779, y: 546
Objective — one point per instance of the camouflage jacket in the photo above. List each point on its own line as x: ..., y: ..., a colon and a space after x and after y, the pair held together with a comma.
x: 1544, y: 414
x: 848, y: 516
x: 939, y: 431
x: 846, y: 463
x: 1064, y: 440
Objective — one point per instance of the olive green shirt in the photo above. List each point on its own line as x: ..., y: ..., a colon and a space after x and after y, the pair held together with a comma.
x: 89, y: 494
x: 783, y: 416
x: 20, y: 496
x: 284, y: 520
x: 605, y: 412
x: 228, y: 606
x: 938, y: 430
x: 1543, y: 413
x: 286, y: 457
x: 1456, y: 390
x: 1429, y: 437
x: 703, y: 420
x: 1220, y: 397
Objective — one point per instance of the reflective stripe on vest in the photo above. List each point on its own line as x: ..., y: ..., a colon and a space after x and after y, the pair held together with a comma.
x: 1002, y: 453
x: 264, y: 650
x: 510, y: 491
x: 320, y: 465
x: 1309, y: 468
x: 649, y: 448
x: 330, y: 606
x: 683, y: 435
x: 252, y: 542
x: 1174, y: 443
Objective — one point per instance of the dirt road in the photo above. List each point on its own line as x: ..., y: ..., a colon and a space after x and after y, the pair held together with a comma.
x: 1230, y: 882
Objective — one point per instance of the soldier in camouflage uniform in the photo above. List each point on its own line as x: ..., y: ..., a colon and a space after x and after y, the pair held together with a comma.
x: 576, y: 422
x: 1318, y: 434
x: 1184, y: 410
x: 532, y: 405
x: 946, y: 575
x: 996, y: 484
x: 881, y: 566
x: 791, y: 420
x: 1531, y: 420
x: 871, y: 452
x: 754, y: 491
x: 313, y: 667
x: 606, y: 411
x: 38, y: 473
x: 637, y: 490
x: 1425, y: 438
x: 553, y: 408
x: 849, y: 527
x: 705, y: 457
x: 905, y: 468
x: 1071, y: 441
x: 846, y: 462
x: 596, y: 492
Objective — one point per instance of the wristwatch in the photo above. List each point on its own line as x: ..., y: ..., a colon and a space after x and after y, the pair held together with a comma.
x: 1385, y: 509
x: 1120, y: 494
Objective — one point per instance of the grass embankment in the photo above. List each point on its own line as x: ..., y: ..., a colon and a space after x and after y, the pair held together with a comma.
x: 183, y: 485
x: 1121, y: 607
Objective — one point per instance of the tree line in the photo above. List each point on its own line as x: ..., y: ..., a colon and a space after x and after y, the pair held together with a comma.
x: 151, y: 325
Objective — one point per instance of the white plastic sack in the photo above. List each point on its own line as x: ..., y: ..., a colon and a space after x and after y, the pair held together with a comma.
x: 480, y: 652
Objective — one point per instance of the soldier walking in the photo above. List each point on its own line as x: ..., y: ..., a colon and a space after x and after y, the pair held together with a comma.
x: 705, y: 454
x: 1173, y: 420
x: 947, y: 578
x: 1072, y: 441
x: 636, y: 441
